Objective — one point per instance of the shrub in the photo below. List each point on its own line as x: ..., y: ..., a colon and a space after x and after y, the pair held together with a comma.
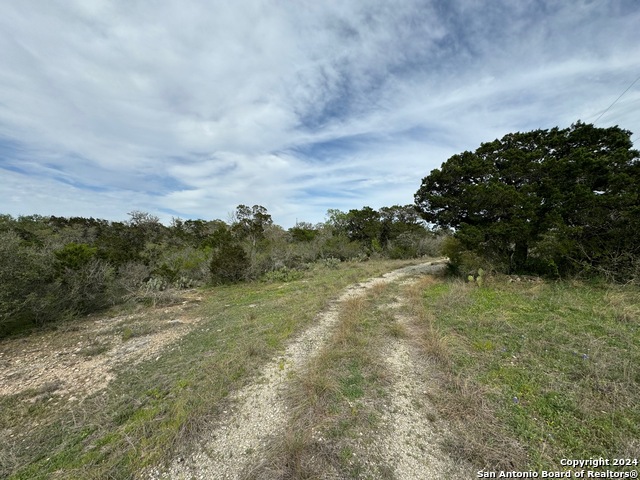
x: 330, y: 262
x: 87, y: 288
x: 339, y: 246
x: 283, y: 274
x: 229, y: 264
x: 431, y: 244
x: 130, y: 277
x: 184, y: 265
x: 463, y: 262
x: 74, y: 256
x: 404, y: 246
x: 26, y: 296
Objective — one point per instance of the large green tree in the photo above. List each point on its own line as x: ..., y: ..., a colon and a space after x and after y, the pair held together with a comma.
x: 555, y: 200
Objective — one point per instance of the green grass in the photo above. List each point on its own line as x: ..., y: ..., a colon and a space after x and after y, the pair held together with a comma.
x: 155, y: 410
x: 534, y: 373
x: 352, y: 384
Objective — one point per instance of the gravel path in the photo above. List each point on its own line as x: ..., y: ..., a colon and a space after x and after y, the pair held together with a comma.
x: 410, y: 442
x: 258, y: 410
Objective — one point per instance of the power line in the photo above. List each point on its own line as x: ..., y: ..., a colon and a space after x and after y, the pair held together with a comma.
x: 616, y: 100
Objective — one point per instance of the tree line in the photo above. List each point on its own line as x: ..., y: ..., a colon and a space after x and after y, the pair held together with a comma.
x: 57, y: 267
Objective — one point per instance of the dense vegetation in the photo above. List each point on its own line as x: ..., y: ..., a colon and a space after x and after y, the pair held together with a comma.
x: 54, y: 268
x: 554, y: 202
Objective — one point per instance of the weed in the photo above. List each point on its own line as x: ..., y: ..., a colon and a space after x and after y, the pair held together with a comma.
x: 283, y: 274
x: 137, y: 329
x: 396, y: 330
x: 352, y: 385
x: 330, y: 262
x: 127, y: 334
x: 95, y: 348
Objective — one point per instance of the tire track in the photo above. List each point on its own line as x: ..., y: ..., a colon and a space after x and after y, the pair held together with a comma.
x: 411, y: 434
x: 258, y: 410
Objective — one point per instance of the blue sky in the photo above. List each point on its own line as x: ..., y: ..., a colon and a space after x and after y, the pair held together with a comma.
x: 187, y: 109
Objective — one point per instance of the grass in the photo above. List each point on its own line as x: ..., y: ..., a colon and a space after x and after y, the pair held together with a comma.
x: 138, y: 329
x: 533, y: 373
x: 95, y: 348
x: 155, y: 410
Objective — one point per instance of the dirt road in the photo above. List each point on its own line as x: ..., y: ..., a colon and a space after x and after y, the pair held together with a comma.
x: 258, y: 412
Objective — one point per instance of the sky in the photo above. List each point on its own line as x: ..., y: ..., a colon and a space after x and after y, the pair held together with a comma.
x: 189, y: 108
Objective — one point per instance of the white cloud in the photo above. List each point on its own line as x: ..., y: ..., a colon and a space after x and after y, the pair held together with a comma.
x: 196, y: 107
x: 49, y: 196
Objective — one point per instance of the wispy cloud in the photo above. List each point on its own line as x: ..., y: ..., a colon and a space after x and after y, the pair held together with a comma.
x: 190, y: 108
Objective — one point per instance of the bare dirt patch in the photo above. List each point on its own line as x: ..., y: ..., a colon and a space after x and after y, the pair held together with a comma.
x: 80, y: 358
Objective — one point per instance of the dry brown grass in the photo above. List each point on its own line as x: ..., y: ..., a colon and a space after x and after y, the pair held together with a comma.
x: 625, y: 311
x: 377, y: 290
x: 292, y: 451
x: 396, y: 330
x: 477, y: 430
